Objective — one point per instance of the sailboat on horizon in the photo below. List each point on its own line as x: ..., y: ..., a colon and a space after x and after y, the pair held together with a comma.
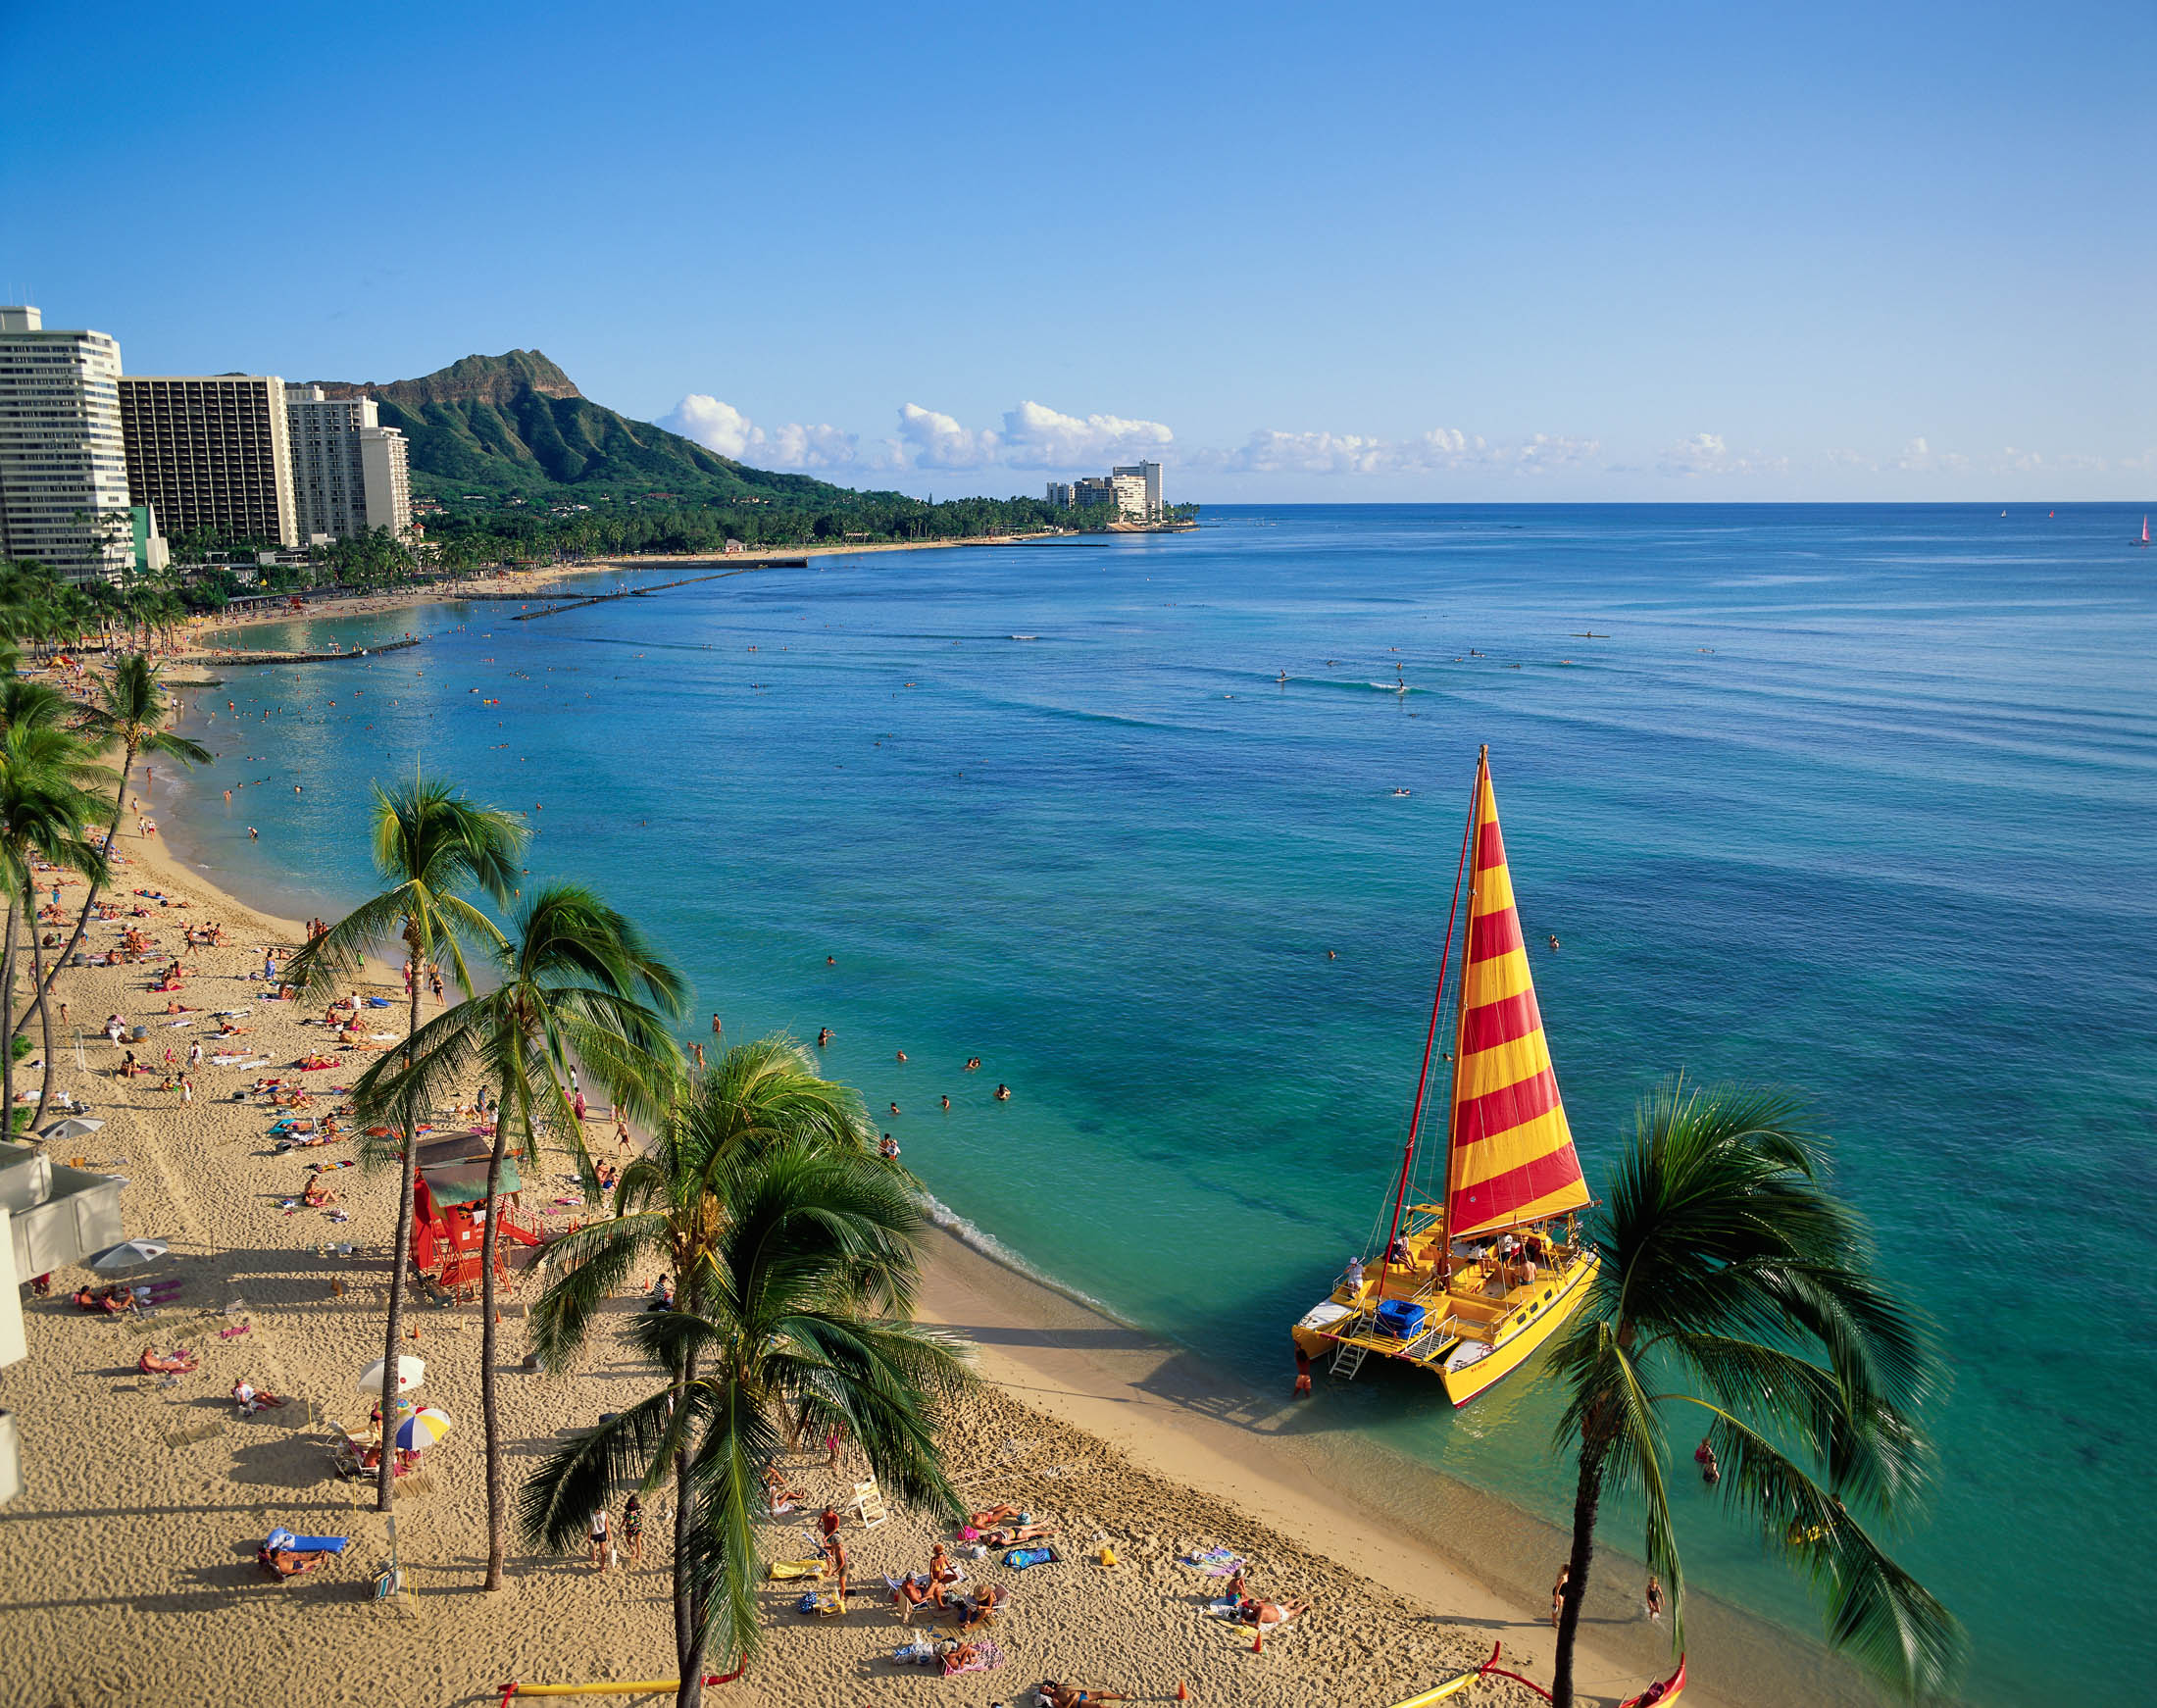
x: 2144, y: 540
x: 1470, y: 1282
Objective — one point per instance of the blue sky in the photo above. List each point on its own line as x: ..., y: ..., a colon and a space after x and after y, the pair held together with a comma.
x: 1378, y: 252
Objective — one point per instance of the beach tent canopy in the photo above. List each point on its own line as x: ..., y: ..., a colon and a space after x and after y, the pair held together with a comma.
x: 467, y: 1182
x: 73, y: 1126
x: 132, y: 1254
x: 458, y: 1147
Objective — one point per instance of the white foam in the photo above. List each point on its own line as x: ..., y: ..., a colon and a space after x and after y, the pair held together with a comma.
x: 995, y: 1249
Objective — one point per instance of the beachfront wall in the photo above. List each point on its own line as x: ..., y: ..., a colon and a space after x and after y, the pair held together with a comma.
x: 57, y: 1215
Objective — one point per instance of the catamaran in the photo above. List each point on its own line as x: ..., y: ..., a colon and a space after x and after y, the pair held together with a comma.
x: 1469, y: 1282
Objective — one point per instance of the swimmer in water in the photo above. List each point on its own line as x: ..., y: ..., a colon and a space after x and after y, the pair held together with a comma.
x: 831, y: 960
x: 1331, y: 955
x: 947, y: 1103
x: 1554, y: 939
x: 894, y: 1109
x: 974, y: 1064
x: 253, y: 834
x: 902, y: 1055
x: 1003, y: 1093
x: 824, y: 1037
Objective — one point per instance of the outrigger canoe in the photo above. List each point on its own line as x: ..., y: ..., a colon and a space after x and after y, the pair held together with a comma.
x: 1657, y: 1695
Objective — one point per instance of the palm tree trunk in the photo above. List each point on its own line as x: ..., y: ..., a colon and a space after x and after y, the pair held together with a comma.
x: 45, y: 1007
x: 1587, y: 1498
x: 689, y: 1605
x: 6, y: 1052
x: 90, y: 901
x: 497, y: 1502
x: 400, y: 1261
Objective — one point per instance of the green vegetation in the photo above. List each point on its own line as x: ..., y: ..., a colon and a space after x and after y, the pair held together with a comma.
x: 794, y: 1249
x: 1736, y: 1293
x: 430, y: 845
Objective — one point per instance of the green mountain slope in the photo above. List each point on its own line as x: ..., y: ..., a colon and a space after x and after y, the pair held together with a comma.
x: 516, y: 423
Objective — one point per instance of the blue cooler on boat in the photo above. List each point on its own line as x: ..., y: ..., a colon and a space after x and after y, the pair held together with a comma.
x: 1400, y: 1318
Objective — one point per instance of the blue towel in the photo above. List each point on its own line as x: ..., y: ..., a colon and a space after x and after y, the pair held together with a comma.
x: 281, y: 1537
x: 1018, y: 1559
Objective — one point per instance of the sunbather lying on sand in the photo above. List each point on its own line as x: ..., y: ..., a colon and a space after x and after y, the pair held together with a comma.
x: 1268, y: 1614
x: 289, y: 1562
x: 251, y: 1399
x: 177, y: 1361
x: 1071, y: 1695
x: 987, y: 1515
x: 1011, y: 1535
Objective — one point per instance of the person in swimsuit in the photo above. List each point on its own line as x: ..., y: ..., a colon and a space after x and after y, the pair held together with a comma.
x: 1071, y: 1695
x: 632, y: 1529
x: 599, y: 1536
x: 1003, y: 1093
x: 1558, y: 1594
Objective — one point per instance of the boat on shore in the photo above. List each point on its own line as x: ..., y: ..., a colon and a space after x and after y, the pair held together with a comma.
x: 1481, y: 1259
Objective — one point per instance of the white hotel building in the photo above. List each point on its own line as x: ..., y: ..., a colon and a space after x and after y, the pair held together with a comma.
x: 63, y: 461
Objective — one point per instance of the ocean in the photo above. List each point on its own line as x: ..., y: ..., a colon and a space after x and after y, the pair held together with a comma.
x: 1856, y: 800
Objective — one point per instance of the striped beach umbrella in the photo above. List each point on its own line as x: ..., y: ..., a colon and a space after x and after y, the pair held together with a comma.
x: 423, y: 1427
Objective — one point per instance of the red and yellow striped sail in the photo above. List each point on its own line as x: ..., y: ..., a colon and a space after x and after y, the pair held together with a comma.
x: 1511, y: 1159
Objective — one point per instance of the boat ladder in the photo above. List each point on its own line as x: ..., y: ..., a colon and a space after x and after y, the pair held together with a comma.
x: 1348, y: 1360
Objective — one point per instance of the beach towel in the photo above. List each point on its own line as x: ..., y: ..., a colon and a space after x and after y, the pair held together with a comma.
x: 1018, y: 1559
x: 1216, y: 1562
x: 281, y: 1537
x: 987, y: 1657
x: 781, y: 1570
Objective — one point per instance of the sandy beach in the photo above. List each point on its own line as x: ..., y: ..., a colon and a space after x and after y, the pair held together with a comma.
x: 128, y: 1567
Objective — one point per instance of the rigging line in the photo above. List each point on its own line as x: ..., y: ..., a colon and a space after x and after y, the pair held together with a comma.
x: 1430, y: 1039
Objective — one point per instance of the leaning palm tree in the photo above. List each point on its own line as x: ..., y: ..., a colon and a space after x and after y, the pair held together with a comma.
x: 430, y: 844
x: 134, y: 713
x: 1734, y: 1289
x: 796, y: 1258
x: 44, y: 809
x: 578, y: 981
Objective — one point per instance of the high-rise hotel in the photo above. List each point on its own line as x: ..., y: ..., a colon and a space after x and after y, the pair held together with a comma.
x: 211, y: 452
x: 63, y: 458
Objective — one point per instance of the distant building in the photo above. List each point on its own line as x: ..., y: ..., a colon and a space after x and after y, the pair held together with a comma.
x: 350, y: 473
x: 63, y: 457
x: 1148, y: 476
x: 1135, y: 490
x: 211, y: 451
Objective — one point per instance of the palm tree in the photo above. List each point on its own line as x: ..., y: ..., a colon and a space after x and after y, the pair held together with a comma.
x: 577, y: 980
x: 135, y: 714
x: 1735, y: 1286
x: 796, y: 1251
x: 44, y: 808
x: 430, y: 844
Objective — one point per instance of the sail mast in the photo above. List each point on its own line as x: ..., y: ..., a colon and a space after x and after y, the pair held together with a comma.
x: 1431, y: 1038
x: 1460, y: 1005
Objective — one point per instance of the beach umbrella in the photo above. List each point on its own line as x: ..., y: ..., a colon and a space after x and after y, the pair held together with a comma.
x: 73, y: 1126
x: 423, y: 1427
x: 410, y: 1372
x: 133, y: 1254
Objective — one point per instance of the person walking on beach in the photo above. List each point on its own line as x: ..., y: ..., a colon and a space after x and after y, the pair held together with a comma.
x: 834, y: 1551
x: 831, y: 1448
x: 1653, y: 1599
x: 1558, y: 1594
x: 632, y: 1531
x: 599, y: 1538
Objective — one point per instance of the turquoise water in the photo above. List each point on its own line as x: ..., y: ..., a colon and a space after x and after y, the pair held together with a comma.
x: 1858, y: 800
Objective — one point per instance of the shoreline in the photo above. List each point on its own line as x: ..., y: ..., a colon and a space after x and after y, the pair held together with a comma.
x: 1471, y: 1558
x: 510, y: 583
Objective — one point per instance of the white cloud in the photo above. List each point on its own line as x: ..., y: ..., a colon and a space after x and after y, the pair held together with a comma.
x: 721, y: 427
x: 1033, y: 436
x: 1708, y: 454
x: 1036, y: 437
x: 1271, y: 451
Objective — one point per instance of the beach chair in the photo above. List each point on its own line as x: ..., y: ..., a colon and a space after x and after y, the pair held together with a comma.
x: 868, y: 1502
